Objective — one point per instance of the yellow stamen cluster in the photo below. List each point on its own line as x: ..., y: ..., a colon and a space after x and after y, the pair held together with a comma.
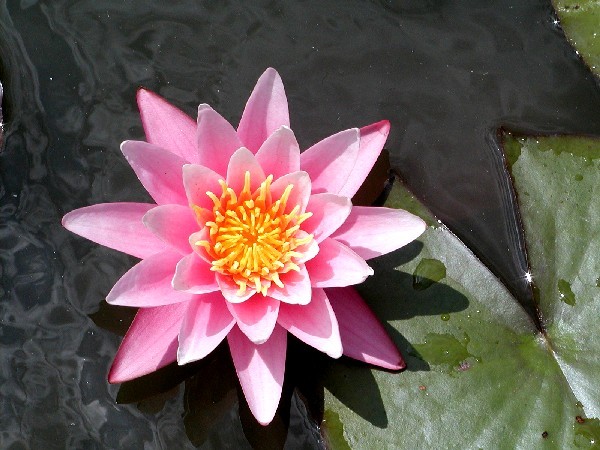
x: 251, y: 237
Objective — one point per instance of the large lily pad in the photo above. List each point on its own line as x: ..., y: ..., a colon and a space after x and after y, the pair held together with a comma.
x: 558, y: 181
x: 481, y: 372
x: 580, y: 20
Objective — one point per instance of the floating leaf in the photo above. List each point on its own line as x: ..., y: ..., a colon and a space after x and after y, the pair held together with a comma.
x: 581, y: 21
x: 335, y: 431
x: 558, y: 182
x: 480, y: 370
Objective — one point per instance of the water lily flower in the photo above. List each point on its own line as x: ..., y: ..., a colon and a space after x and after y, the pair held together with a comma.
x: 249, y: 240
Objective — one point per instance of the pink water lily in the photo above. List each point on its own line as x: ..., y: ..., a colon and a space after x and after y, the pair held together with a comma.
x: 249, y: 239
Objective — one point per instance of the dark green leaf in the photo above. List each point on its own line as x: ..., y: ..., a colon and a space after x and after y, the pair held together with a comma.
x: 480, y: 373
x: 581, y: 21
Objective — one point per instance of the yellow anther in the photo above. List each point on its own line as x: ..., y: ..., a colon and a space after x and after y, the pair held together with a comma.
x: 276, y: 280
x: 204, y: 244
x: 251, y: 238
x: 242, y: 286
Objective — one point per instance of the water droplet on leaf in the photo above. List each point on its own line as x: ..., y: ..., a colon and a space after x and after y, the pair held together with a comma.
x: 566, y: 294
x: 428, y: 272
x: 447, y: 351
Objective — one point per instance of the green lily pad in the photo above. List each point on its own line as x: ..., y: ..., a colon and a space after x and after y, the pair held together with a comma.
x: 580, y: 20
x: 335, y: 431
x: 481, y: 373
x: 558, y: 181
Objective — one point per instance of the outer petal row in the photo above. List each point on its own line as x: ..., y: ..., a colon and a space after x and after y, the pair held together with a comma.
x: 372, y: 232
x: 362, y: 335
x: 212, y: 140
x: 372, y: 139
x: 148, y: 283
x: 266, y: 111
x: 330, y: 161
x: 158, y: 170
x: 260, y: 369
x: 315, y: 323
x: 340, y: 163
x: 167, y: 126
x: 150, y: 342
x: 116, y: 225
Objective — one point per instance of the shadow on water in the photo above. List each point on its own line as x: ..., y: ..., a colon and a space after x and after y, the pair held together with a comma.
x: 391, y: 295
x: 215, y: 410
x: 397, y: 297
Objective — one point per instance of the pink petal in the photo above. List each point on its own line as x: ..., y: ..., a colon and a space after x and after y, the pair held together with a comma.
x: 372, y: 140
x: 173, y: 224
x: 116, y: 225
x: 260, y: 369
x: 241, y: 162
x: 148, y: 283
x: 150, y: 342
x: 229, y: 289
x: 217, y: 140
x: 265, y: 112
x: 296, y: 287
x: 206, y: 323
x: 167, y: 126
x: 158, y: 170
x: 314, y: 324
x: 193, y: 275
x: 256, y: 317
x: 300, y: 193
x: 197, y: 180
x: 280, y: 153
x: 372, y: 232
x: 309, y: 251
x: 329, y: 211
x: 202, y: 235
x: 336, y: 265
x: 363, y: 336
x: 330, y: 162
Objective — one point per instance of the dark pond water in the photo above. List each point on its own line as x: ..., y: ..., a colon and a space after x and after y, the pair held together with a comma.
x: 447, y: 74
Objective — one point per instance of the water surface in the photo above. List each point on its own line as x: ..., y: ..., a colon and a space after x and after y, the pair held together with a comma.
x: 446, y: 74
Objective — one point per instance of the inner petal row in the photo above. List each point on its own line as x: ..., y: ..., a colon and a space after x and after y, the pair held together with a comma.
x: 252, y: 238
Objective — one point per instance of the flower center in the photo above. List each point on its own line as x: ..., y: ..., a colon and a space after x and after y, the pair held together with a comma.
x: 251, y: 237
